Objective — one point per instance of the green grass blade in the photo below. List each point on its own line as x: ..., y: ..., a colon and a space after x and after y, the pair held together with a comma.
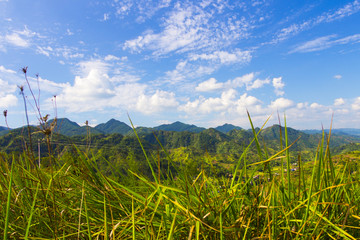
x: 31, y: 212
x: 172, y: 226
x: 6, y: 227
x: 142, y: 147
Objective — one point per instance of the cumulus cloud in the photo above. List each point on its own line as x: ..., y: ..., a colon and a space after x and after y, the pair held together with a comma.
x: 278, y: 84
x: 248, y: 81
x: 281, y: 103
x: 4, y: 70
x: 209, y: 85
x: 316, y: 106
x: 157, y: 102
x: 99, y: 87
x: 338, y: 76
x: 258, y: 83
x: 356, y: 104
x: 227, y: 102
x: 7, y: 96
x: 339, y: 102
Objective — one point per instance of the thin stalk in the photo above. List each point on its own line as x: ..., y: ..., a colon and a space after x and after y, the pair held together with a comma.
x: 287, y: 159
x: 31, y: 212
x: 6, y: 227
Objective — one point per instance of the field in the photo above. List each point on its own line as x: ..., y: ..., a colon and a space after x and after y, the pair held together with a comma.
x: 72, y: 198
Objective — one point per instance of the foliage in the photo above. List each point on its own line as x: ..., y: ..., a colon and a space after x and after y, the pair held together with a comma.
x: 185, y: 196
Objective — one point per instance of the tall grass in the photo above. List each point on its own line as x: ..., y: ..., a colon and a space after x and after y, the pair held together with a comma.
x: 75, y: 200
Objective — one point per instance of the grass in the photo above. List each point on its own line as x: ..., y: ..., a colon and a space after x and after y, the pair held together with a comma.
x: 73, y: 199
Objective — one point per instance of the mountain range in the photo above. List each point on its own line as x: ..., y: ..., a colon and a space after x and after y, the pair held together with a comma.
x: 115, y: 137
x: 69, y: 128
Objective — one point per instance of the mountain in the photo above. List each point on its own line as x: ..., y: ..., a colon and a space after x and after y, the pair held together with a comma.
x: 113, y: 126
x: 140, y: 131
x: 227, y: 128
x: 3, y: 130
x: 179, y: 127
x: 69, y: 128
x: 338, y: 131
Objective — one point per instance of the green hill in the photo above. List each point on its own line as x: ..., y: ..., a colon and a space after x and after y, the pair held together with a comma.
x: 69, y: 128
x: 113, y: 126
x: 3, y: 130
x: 179, y: 127
x: 227, y: 128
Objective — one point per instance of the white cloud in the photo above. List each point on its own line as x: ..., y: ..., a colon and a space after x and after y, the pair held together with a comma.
x: 111, y: 58
x: 356, y: 104
x: 325, y: 42
x: 100, y: 87
x: 247, y: 80
x: 338, y: 76
x: 65, y: 52
x: 157, y: 102
x: 281, y: 103
x: 189, y: 27
x: 339, y: 102
x: 7, y: 100
x: 224, y: 57
x: 7, y: 96
x: 330, y: 16
x: 3, y: 69
x: 278, y: 84
x: 316, y: 106
x: 68, y: 32
x: 20, y: 38
x: 17, y: 40
x: 209, y: 85
x: 226, y: 103
x: 258, y: 83
x: 186, y: 70
x: 44, y: 50
x: 106, y: 17
x: 144, y: 9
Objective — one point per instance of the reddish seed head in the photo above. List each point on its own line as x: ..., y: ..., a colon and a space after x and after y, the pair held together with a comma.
x: 5, y: 113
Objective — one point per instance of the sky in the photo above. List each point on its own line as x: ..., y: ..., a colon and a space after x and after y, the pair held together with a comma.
x: 204, y: 62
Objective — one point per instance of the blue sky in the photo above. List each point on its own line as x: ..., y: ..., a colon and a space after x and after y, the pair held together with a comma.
x: 199, y: 62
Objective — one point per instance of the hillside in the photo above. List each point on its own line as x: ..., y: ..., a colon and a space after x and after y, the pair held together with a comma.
x: 113, y: 126
x: 179, y: 127
x: 3, y: 130
x: 227, y: 128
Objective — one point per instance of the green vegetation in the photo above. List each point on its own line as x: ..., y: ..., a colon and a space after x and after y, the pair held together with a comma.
x: 180, y: 194
x: 268, y: 183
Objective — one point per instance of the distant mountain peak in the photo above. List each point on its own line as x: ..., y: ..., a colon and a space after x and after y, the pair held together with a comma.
x: 227, y: 128
x: 179, y: 127
x: 114, y: 126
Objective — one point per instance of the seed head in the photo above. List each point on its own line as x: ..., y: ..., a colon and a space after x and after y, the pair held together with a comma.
x: 24, y: 69
x: 5, y: 113
x: 21, y: 88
